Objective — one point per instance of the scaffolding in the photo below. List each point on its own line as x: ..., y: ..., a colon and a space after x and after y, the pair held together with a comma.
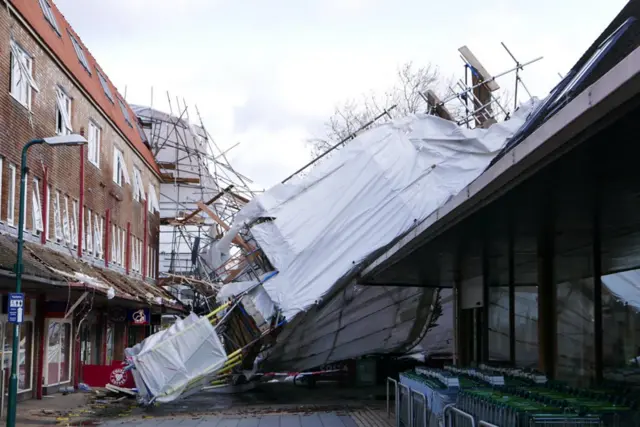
x: 200, y: 193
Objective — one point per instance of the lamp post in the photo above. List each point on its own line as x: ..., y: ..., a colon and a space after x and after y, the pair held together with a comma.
x: 53, y: 141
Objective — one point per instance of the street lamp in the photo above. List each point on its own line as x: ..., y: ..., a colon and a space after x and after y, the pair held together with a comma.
x: 53, y: 141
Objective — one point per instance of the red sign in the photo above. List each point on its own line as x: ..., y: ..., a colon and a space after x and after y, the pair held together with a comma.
x: 101, y: 375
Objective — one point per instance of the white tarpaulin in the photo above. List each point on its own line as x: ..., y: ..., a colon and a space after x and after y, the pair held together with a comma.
x: 173, y: 362
x: 380, y: 185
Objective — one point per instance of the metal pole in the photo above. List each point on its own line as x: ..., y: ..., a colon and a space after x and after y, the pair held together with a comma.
x: 13, y: 380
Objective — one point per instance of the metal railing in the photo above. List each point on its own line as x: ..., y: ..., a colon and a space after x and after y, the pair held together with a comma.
x: 399, y: 406
x: 485, y: 424
x: 424, y: 412
x: 454, y: 417
x: 395, y: 397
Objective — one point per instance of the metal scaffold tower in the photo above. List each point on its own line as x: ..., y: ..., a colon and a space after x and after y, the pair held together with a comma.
x: 200, y: 194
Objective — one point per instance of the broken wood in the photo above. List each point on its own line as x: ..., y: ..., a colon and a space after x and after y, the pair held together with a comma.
x: 216, y: 197
x: 169, y: 177
x: 237, y: 239
x: 167, y: 165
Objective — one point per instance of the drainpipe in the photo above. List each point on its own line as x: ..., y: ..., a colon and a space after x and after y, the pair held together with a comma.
x: 128, y: 249
x: 45, y: 206
x: 144, y: 240
x: 81, y: 204
x: 107, y: 228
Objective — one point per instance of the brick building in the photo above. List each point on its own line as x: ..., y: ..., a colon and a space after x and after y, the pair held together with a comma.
x: 91, y: 212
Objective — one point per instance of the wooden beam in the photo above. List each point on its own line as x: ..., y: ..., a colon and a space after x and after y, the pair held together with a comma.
x: 167, y: 165
x: 237, y: 240
x: 216, y: 197
x: 169, y: 177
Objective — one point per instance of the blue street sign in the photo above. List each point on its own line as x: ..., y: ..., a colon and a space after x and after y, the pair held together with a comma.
x: 16, y: 308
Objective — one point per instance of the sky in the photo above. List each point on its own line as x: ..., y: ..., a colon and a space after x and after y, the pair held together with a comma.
x: 268, y: 74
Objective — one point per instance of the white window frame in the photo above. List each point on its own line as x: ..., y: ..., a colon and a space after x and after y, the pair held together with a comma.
x: 66, y: 223
x: 11, y: 199
x: 125, y: 112
x: 97, y: 235
x: 48, y: 14
x: 57, y: 217
x: 48, y: 322
x: 138, y: 186
x: 48, y: 213
x: 120, y: 171
x: 93, y: 148
x: 22, y: 81
x: 74, y: 223
x: 80, y: 53
x: 105, y: 86
x: 152, y: 205
x: 123, y: 246
x: 89, y: 232
x: 36, y: 210
x: 114, y: 255
x: 63, y: 112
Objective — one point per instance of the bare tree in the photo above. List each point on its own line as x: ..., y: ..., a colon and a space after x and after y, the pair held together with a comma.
x: 404, y: 96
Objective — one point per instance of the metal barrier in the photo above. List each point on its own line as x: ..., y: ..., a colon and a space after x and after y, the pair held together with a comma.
x: 395, y: 397
x: 485, y: 424
x: 425, y: 419
x: 399, y: 402
x: 454, y: 417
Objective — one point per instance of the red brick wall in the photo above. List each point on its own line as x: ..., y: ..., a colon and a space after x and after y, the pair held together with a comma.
x: 18, y: 125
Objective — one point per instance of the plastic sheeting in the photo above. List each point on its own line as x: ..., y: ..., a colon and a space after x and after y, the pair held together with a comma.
x: 378, y: 187
x: 173, y: 362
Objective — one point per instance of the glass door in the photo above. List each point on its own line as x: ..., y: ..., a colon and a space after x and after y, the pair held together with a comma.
x: 58, y: 366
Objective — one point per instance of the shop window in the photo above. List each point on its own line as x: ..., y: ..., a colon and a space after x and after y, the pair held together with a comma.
x: 25, y: 356
x: 58, y: 362
x: 109, y: 355
x: 621, y: 323
x: 499, y: 323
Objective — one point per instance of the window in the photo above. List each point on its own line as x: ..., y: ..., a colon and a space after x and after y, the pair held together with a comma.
x: 120, y: 171
x: 148, y: 266
x: 48, y: 14
x: 97, y: 236
x: 94, y: 144
x: 123, y: 247
x: 89, y: 233
x: 138, y: 187
x: 113, y: 243
x: 80, y: 53
x: 58, y: 367
x: 74, y: 223
x: 125, y: 112
x: 153, y: 199
x: 25, y: 354
x: 11, y: 200
x: 57, y: 217
x: 21, y: 75
x: 36, y: 211
x: 66, y: 224
x: 48, y: 213
x: 63, y: 113
x: 105, y: 86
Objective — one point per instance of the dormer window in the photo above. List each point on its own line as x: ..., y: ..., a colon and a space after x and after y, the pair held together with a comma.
x: 125, y: 112
x: 80, y: 53
x: 48, y: 14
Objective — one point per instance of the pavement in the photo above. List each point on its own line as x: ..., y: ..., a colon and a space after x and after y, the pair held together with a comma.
x: 270, y: 405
